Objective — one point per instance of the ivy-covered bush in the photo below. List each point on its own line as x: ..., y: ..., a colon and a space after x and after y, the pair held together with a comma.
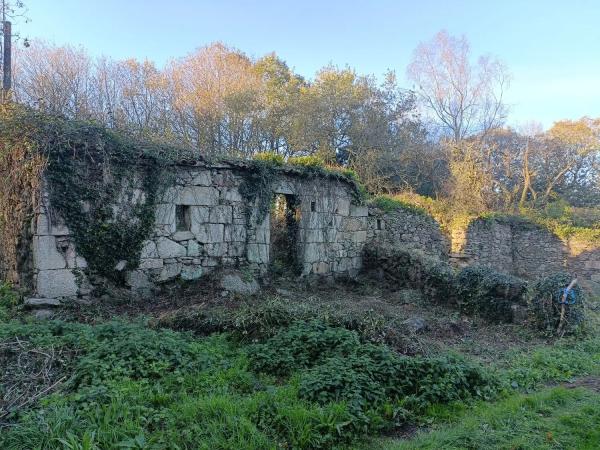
x: 490, y: 294
x: 413, y: 269
x: 545, y: 297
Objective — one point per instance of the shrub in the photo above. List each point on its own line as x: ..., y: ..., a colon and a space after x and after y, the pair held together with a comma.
x: 345, y: 380
x: 375, y: 379
x: 426, y: 381
x: 545, y: 298
x: 302, y: 345
x: 307, y: 161
x: 269, y: 157
x: 490, y: 294
x: 369, y: 378
x: 388, y: 204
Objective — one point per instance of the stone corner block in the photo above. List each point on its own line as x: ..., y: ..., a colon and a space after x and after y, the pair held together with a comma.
x: 56, y: 283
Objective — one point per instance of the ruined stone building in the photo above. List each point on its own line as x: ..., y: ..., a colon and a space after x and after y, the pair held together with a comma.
x: 85, y: 210
x: 203, y: 222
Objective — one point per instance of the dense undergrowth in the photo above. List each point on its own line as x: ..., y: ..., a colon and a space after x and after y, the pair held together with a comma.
x: 482, y: 291
x: 309, y: 386
x: 304, y: 384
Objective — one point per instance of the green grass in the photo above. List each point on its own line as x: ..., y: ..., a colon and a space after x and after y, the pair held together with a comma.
x: 128, y: 386
x: 560, y: 362
x: 530, y: 415
x: 125, y: 385
x: 555, y: 418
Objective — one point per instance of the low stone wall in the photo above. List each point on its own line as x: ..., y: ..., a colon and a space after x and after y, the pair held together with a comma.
x: 487, y: 243
x: 225, y: 230
x: 525, y: 250
x: 537, y: 252
x: 584, y: 260
x: 407, y: 229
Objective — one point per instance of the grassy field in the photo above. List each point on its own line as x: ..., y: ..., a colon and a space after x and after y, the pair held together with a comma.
x: 281, y: 373
x: 553, y: 418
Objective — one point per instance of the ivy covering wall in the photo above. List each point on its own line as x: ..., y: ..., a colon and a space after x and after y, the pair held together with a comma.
x: 104, y: 185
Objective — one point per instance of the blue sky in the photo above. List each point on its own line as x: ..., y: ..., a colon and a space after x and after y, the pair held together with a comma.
x: 551, y: 47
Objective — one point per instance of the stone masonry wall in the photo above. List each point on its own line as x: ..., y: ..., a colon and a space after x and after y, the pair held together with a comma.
x: 486, y: 243
x: 537, y: 252
x: 525, y: 250
x: 333, y: 229
x: 584, y: 260
x: 404, y: 228
x: 224, y: 231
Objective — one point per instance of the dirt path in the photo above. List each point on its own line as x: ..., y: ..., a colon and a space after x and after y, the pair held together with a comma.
x: 591, y: 382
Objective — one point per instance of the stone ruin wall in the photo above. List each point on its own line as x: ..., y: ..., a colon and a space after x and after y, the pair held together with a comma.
x: 332, y: 230
x: 584, y: 260
x: 526, y: 251
x: 404, y: 228
x: 484, y: 243
x: 520, y: 249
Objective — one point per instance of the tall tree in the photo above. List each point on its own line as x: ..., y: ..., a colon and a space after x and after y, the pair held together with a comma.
x: 280, y: 103
x: 466, y: 97
x: 568, y: 161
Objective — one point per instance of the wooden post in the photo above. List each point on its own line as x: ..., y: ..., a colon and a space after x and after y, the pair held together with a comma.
x: 6, y: 66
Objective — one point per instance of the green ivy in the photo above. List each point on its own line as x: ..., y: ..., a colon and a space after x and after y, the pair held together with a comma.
x: 259, y: 174
x: 91, y: 173
x: 545, y: 296
x: 490, y: 294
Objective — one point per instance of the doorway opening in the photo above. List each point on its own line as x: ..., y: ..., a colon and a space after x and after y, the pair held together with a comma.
x: 284, y: 215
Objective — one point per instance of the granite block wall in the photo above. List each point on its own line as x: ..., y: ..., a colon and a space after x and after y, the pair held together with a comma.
x: 404, y: 228
x: 203, y: 222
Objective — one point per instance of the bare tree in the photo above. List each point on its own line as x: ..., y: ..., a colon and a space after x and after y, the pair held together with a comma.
x: 466, y: 97
x: 57, y: 79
